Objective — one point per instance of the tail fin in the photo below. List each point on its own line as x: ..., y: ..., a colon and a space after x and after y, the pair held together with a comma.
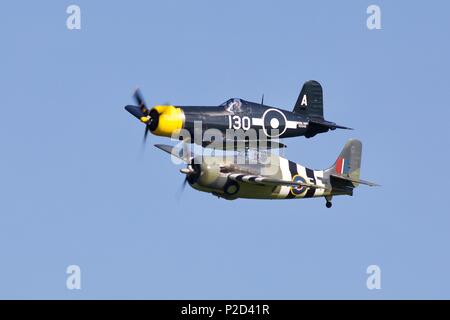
x: 345, y: 172
x: 348, y: 164
x: 310, y: 100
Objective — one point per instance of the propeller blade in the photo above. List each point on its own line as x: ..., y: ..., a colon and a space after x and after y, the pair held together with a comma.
x: 183, y: 186
x: 147, y: 129
x: 181, y: 189
x: 140, y: 101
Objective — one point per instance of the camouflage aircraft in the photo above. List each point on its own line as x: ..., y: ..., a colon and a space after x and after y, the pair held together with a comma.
x: 269, y: 122
x: 274, y: 178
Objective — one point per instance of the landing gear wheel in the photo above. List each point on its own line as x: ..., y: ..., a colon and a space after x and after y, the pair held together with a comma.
x: 328, y: 199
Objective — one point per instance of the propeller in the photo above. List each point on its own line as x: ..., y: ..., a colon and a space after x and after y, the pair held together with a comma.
x: 150, y: 117
x: 192, y: 170
x: 145, y: 112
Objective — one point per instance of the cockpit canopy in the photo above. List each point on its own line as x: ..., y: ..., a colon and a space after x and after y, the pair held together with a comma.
x: 232, y: 105
x: 236, y: 105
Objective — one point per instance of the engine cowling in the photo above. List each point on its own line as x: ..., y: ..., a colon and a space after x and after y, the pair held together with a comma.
x: 207, y: 176
x: 166, y: 120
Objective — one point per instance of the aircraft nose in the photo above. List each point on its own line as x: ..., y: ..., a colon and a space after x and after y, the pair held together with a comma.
x: 135, y: 111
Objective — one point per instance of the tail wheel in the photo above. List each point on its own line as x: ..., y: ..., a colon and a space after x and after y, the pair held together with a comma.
x: 231, y: 188
x: 328, y: 199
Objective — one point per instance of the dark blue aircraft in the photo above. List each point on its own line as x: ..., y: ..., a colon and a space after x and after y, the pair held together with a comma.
x: 306, y: 119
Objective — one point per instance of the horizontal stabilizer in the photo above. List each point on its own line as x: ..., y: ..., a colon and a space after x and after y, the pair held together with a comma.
x: 357, y: 181
x: 327, y: 124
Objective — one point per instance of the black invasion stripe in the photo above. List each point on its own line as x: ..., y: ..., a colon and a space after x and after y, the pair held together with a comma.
x: 239, y: 177
x: 310, y: 175
x: 252, y: 179
x: 293, y: 170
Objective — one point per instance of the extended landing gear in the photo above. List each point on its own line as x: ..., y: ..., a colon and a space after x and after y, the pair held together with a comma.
x: 328, y: 204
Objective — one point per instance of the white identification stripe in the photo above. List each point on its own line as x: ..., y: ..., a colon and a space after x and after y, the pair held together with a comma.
x: 302, y: 172
x: 257, y: 121
x: 319, y: 182
x: 286, y: 175
x: 291, y: 124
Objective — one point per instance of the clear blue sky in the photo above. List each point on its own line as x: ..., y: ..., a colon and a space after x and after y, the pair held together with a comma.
x: 75, y: 189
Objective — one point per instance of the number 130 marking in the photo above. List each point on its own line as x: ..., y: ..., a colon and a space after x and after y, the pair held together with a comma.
x: 237, y: 122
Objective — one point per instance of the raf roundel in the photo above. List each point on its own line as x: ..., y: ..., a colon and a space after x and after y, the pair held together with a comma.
x: 298, y: 190
x: 274, y: 119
